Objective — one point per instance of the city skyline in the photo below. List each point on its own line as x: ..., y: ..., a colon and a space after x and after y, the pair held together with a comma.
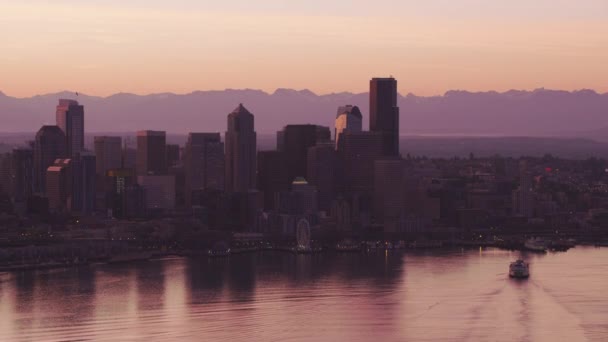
x: 432, y: 47
x: 303, y: 170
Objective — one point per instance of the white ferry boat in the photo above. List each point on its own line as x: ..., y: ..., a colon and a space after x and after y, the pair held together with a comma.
x: 519, y: 269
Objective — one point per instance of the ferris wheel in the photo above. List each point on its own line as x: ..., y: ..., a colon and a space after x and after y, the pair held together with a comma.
x: 303, y: 233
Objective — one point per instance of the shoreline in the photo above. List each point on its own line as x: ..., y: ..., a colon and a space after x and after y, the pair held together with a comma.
x: 199, y: 254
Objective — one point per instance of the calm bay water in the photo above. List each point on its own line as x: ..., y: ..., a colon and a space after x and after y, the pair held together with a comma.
x: 271, y: 296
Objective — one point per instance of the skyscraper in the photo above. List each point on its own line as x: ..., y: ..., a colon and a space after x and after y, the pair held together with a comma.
x: 84, y: 183
x: 308, y: 195
x: 271, y: 176
x: 389, y: 193
x: 59, y: 185
x: 50, y: 144
x: 322, y: 167
x: 240, y: 155
x: 203, y: 163
x: 70, y: 118
x: 349, y: 119
x: 108, y: 151
x: 151, y: 153
x: 173, y: 157
x: 5, y: 173
x: 160, y: 191
x: 21, y: 174
x: 357, y: 154
x: 296, y: 139
x: 384, y: 113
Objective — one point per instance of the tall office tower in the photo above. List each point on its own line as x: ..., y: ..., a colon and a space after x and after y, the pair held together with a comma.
x: 84, y: 183
x: 172, y: 152
x: 50, y: 145
x: 349, y: 119
x: 178, y: 173
x: 203, y: 163
x: 357, y: 154
x: 307, y: 195
x: 70, y: 118
x: 272, y: 176
x: 108, y: 151
x: 384, y: 113
x: 389, y: 197
x: 118, y: 182
x: 108, y: 154
x: 160, y: 192
x: 129, y: 158
x: 241, y: 150
x: 59, y: 185
x: 151, y: 153
x: 5, y: 173
x: 322, y: 167
x: 295, y: 140
x: 21, y: 174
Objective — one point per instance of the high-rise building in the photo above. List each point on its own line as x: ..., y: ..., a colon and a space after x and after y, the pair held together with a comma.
x: 241, y: 150
x: 108, y: 151
x: 307, y: 193
x: 59, y: 185
x: 50, y: 144
x: 300, y: 200
x: 341, y: 214
x: 21, y: 174
x: 178, y: 172
x: 84, y: 183
x: 172, y: 152
x: 271, y: 176
x: 203, y: 163
x: 124, y: 197
x: 108, y: 154
x: 357, y: 153
x: 389, y: 195
x: 160, y: 192
x: 322, y: 168
x: 129, y: 158
x: 294, y: 141
x: 5, y: 173
x: 70, y: 118
x: 349, y: 119
x: 384, y: 113
x: 151, y: 153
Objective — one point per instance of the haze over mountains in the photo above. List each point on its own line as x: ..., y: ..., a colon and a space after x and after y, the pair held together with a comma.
x: 540, y: 112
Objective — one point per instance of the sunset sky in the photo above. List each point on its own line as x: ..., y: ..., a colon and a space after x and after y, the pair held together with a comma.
x: 101, y: 47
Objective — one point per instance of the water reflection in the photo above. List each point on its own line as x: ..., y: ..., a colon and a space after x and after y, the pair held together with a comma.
x: 432, y: 295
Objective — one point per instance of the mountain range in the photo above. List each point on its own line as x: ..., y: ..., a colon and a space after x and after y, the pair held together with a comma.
x: 540, y: 112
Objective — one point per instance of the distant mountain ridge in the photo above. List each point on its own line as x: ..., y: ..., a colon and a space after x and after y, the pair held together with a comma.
x: 539, y: 112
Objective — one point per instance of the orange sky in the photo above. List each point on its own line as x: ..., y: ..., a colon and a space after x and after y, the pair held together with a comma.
x: 104, y: 48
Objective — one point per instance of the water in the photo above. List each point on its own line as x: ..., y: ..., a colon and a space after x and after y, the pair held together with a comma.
x: 272, y: 296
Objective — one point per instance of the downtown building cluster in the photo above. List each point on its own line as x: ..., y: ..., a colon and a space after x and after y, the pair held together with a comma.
x: 226, y: 183
x: 345, y: 180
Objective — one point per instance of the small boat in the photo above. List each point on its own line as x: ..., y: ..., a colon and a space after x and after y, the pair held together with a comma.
x: 302, y: 249
x: 536, y: 245
x: 425, y: 244
x: 348, y: 246
x: 519, y: 269
x: 561, y: 245
x: 220, y: 249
